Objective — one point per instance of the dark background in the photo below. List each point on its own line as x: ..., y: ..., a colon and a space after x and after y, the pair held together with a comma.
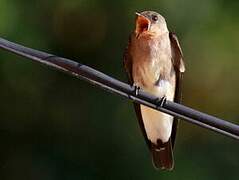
x: 53, y: 126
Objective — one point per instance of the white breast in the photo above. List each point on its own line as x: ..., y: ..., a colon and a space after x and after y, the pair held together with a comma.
x: 158, y: 125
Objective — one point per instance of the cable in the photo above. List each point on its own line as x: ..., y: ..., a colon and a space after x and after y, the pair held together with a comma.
x: 115, y: 86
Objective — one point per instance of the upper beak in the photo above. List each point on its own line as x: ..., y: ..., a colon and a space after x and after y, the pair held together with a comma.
x: 142, y: 24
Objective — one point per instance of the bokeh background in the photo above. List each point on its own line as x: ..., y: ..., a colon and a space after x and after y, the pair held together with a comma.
x: 53, y: 126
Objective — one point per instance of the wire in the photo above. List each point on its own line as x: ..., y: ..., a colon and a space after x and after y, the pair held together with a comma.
x: 115, y: 86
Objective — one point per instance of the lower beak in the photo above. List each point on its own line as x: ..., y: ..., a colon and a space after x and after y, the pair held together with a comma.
x: 142, y: 24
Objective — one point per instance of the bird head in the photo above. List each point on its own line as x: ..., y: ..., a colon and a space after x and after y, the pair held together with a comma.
x: 150, y: 23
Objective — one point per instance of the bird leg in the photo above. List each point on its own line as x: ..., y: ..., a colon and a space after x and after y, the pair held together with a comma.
x: 161, y: 101
x: 136, y: 89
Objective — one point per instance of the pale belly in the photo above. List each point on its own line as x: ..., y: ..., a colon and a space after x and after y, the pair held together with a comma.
x: 157, y: 125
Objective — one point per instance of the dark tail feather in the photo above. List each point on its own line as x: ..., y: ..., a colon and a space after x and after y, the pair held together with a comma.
x: 163, y: 157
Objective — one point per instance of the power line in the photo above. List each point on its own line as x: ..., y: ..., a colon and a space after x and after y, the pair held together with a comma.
x: 115, y: 86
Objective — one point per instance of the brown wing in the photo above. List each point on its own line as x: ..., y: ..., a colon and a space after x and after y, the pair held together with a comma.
x: 128, y: 67
x: 127, y: 61
x: 177, y: 59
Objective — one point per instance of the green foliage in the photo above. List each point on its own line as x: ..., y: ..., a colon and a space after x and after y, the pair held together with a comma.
x: 57, y: 127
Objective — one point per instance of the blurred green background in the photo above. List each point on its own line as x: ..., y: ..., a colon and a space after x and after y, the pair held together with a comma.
x: 54, y: 126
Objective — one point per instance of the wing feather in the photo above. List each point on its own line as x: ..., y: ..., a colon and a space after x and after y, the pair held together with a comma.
x: 179, y: 67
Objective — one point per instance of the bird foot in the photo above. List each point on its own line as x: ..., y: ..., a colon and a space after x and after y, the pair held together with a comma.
x: 136, y: 90
x: 161, y: 101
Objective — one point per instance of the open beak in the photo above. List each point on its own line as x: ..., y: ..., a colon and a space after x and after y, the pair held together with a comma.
x: 142, y: 24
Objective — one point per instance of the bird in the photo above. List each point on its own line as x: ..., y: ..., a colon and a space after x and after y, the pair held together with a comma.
x: 154, y: 62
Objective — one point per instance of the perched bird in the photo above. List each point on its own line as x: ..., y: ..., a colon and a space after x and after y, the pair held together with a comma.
x: 154, y: 62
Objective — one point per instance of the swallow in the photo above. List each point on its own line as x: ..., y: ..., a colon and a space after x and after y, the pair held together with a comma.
x: 154, y: 63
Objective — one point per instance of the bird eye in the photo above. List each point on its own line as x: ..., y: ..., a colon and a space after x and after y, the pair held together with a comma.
x: 154, y: 17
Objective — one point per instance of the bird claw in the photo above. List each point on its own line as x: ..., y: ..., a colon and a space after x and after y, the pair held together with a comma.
x: 136, y: 90
x: 161, y: 101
